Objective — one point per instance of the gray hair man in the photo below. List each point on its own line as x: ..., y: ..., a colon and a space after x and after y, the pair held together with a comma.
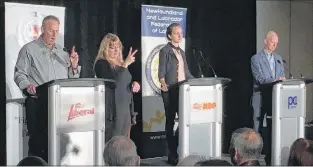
x: 191, y: 160
x: 38, y: 62
x: 245, y: 147
x: 121, y: 151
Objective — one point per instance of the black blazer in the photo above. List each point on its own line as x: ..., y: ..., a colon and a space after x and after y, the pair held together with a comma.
x: 168, y: 65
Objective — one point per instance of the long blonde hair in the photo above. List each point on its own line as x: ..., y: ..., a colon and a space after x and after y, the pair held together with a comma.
x: 104, y: 49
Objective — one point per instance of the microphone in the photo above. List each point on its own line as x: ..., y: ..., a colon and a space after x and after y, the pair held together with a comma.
x: 69, y: 55
x: 300, y: 73
x: 208, y: 64
x: 290, y: 75
x: 199, y: 67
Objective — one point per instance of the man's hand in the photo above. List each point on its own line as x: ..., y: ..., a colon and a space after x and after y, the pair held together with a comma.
x: 282, y: 78
x: 74, y: 58
x: 31, y: 89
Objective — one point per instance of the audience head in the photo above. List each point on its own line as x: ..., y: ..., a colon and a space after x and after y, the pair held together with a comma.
x: 246, y: 144
x: 271, y: 41
x: 111, y: 49
x: 191, y: 160
x: 32, y: 161
x: 50, y: 29
x: 174, y: 33
x: 213, y: 162
x: 301, y: 153
x: 121, y: 151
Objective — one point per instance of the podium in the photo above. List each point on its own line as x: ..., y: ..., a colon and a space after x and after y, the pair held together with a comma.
x: 200, y: 117
x: 78, y: 109
x: 286, y: 108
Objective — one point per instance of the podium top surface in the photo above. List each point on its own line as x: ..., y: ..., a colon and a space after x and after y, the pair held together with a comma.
x: 19, y: 100
x: 207, y: 81
x: 286, y: 82
x: 78, y: 82
x: 306, y: 80
x: 296, y: 81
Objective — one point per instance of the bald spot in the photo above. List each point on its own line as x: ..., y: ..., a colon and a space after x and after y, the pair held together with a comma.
x: 271, y: 34
x: 122, y: 143
x: 251, y: 137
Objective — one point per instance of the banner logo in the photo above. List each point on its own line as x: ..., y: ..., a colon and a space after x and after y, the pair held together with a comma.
x: 77, y: 110
x: 292, y: 102
x: 157, y: 119
x: 29, y: 29
x: 152, y: 69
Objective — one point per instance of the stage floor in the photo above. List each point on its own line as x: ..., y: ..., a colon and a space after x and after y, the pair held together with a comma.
x: 162, y: 161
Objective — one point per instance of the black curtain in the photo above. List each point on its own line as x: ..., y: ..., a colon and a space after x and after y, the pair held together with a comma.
x: 225, y: 32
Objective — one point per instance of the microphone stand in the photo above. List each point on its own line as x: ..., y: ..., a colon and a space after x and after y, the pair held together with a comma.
x: 208, y: 64
x: 199, y: 67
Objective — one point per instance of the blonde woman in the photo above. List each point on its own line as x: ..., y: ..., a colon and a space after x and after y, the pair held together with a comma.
x: 109, y: 64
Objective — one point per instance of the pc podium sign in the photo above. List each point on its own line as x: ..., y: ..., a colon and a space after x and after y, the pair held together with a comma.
x: 292, y: 102
x: 288, y: 117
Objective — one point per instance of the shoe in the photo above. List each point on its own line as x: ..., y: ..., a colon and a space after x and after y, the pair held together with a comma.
x: 172, y: 160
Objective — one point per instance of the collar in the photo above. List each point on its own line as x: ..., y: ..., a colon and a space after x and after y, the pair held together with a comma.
x: 174, y: 47
x: 43, y: 43
x: 268, y: 53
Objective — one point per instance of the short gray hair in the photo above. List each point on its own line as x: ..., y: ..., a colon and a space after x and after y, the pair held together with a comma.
x: 191, y: 160
x: 50, y: 17
x: 121, y: 151
x: 248, y: 143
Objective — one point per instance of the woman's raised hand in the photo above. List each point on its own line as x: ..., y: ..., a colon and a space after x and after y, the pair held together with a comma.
x: 130, y: 58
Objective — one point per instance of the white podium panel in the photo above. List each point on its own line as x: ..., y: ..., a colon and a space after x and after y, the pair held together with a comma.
x: 288, y: 118
x: 16, y: 131
x: 76, y: 120
x: 200, y: 120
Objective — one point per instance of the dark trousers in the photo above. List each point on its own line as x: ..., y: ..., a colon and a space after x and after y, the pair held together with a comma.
x: 36, y: 116
x: 170, y: 100
x: 266, y: 133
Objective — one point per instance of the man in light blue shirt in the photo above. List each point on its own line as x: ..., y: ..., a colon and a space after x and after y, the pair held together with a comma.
x: 38, y: 62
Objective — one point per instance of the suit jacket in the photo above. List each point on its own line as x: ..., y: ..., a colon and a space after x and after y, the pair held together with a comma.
x: 262, y: 74
x: 168, y: 65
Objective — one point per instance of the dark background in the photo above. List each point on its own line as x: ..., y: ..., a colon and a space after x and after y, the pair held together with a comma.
x: 225, y: 31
